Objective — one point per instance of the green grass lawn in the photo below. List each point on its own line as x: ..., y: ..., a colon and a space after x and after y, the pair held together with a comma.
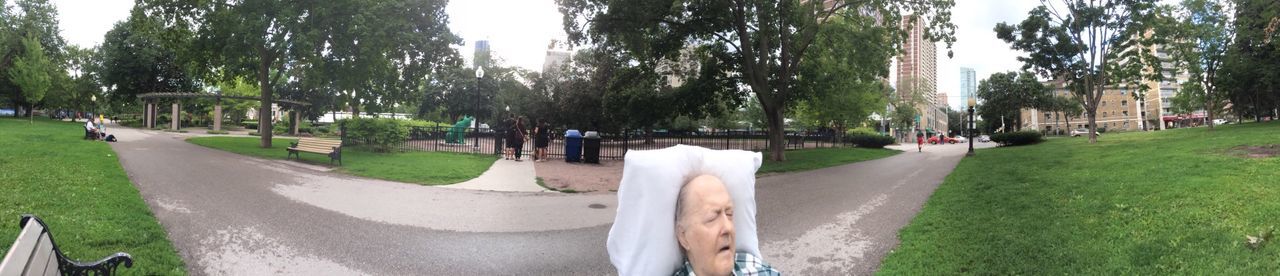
x: 428, y: 168
x: 79, y: 188
x: 1151, y: 203
x: 811, y: 159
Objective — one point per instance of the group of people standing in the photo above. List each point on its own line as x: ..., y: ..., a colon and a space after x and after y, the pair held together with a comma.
x: 518, y: 133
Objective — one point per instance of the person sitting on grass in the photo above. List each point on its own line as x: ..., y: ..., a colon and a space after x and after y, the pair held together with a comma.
x: 704, y: 229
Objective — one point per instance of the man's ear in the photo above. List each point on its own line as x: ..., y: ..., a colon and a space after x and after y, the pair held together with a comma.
x: 684, y: 245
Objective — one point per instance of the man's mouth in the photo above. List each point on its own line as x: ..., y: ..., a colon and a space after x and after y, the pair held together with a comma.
x: 724, y: 248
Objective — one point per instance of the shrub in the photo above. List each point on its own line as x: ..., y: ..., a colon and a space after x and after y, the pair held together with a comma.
x: 425, y: 124
x: 217, y: 132
x: 379, y: 133
x: 861, y: 131
x: 250, y: 124
x: 874, y: 141
x: 1017, y: 138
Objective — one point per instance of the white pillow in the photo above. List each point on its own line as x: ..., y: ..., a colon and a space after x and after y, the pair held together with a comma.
x: 642, y: 240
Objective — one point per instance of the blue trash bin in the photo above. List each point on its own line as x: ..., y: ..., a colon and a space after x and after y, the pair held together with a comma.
x: 572, y: 146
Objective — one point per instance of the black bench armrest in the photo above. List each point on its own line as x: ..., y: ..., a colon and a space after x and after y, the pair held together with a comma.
x: 293, y: 144
x: 105, y: 266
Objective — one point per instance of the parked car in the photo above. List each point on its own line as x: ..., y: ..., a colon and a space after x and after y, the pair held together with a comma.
x: 961, y: 139
x: 984, y: 139
x: 1221, y: 121
x: 934, y: 140
x: 1083, y: 131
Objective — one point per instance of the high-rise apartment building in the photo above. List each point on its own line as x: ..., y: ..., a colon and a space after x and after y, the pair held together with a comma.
x: 481, y: 57
x: 917, y: 73
x: 968, y: 85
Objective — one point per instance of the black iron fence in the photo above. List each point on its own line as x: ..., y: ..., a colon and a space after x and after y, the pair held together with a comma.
x: 612, y: 145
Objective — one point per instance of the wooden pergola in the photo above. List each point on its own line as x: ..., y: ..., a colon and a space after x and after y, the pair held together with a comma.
x: 151, y: 100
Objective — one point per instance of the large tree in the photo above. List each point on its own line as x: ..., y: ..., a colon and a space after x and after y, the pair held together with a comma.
x: 38, y: 19
x: 1090, y: 44
x: 765, y: 41
x: 32, y: 71
x: 140, y: 56
x: 374, y: 52
x: 1250, y: 73
x: 1198, y: 41
x: 1004, y: 95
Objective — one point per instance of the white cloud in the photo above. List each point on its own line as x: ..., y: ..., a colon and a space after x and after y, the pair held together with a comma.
x: 86, y: 22
x: 518, y: 30
x: 976, y: 44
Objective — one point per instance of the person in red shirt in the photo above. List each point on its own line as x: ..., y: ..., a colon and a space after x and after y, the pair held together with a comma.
x: 919, y: 141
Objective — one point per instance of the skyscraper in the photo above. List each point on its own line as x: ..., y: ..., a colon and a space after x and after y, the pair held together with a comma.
x: 917, y: 72
x: 481, y: 57
x: 968, y: 85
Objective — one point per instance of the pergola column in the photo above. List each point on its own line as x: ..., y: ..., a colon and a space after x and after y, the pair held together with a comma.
x: 173, y: 120
x: 217, y: 115
x: 146, y: 114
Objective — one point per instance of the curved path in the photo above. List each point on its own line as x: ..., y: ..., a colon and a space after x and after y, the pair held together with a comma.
x: 235, y: 215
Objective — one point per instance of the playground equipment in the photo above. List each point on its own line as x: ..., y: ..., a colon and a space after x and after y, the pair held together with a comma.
x: 457, y: 134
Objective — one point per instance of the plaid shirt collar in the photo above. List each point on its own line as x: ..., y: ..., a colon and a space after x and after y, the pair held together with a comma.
x: 743, y: 265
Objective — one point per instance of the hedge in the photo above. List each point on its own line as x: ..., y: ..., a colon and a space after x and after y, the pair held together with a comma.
x: 874, y: 141
x: 380, y: 133
x: 1017, y: 138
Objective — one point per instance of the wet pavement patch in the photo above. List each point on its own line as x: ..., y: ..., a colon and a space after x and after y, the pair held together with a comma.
x: 1263, y: 151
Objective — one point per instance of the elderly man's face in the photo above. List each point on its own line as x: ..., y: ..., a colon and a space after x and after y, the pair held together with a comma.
x: 705, y: 229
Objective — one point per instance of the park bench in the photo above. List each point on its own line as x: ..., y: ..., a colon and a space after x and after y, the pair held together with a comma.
x: 35, y: 253
x: 332, y: 148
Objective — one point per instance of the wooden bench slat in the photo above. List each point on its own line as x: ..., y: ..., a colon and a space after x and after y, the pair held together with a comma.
x: 52, y: 268
x: 15, y: 261
x: 44, y: 251
x: 21, y: 251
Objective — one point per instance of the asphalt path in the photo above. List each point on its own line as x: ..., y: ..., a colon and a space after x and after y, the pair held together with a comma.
x: 229, y: 214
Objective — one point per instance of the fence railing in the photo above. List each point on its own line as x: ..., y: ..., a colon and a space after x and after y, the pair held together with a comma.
x: 612, y: 145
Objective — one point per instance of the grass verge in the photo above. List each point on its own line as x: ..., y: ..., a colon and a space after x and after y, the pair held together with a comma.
x: 812, y: 159
x: 427, y: 168
x: 1152, y: 203
x: 79, y: 188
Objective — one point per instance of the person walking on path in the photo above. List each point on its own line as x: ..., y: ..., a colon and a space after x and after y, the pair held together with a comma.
x: 511, y: 139
x: 542, y: 138
x: 919, y: 141
x: 519, y: 136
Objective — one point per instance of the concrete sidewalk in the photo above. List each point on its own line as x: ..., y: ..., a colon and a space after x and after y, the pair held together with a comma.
x: 505, y: 176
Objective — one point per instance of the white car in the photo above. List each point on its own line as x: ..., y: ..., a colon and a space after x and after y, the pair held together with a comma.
x: 984, y: 139
x: 961, y: 139
x: 1083, y: 131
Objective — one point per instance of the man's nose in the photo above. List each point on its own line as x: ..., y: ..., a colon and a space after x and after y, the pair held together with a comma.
x: 726, y: 224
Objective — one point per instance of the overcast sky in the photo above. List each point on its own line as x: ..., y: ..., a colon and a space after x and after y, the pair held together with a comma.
x: 519, y: 31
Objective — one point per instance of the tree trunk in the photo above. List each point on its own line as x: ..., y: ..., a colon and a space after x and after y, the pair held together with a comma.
x: 777, y: 129
x: 1208, y: 110
x: 264, y: 110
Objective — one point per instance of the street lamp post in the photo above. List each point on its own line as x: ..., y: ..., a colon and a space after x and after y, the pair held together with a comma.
x: 476, y: 119
x: 972, y: 126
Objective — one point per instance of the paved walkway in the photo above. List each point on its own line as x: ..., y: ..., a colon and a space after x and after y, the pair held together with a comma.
x: 234, y: 215
x: 505, y: 175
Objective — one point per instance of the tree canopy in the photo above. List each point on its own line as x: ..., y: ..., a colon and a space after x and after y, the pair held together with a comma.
x: 764, y: 43
x: 1091, y: 45
x: 1004, y: 95
x: 373, y: 53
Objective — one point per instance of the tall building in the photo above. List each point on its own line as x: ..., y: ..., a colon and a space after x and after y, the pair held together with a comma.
x: 917, y: 73
x: 482, y: 54
x: 968, y: 85
x: 1122, y: 107
x: 556, y: 61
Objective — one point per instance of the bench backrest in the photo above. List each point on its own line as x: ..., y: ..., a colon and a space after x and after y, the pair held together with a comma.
x: 32, y: 254
x: 322, y: 143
